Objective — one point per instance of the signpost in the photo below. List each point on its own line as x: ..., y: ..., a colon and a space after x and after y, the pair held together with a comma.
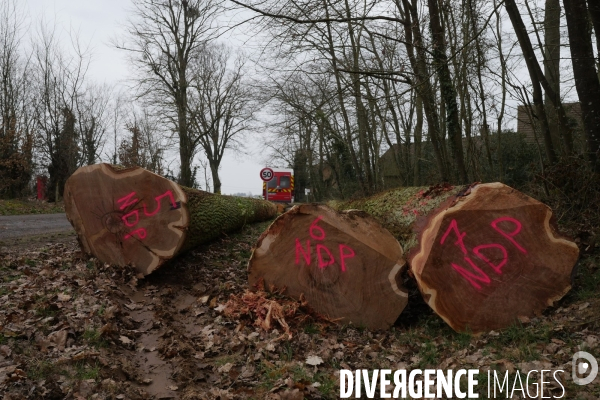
x: 266, y: 174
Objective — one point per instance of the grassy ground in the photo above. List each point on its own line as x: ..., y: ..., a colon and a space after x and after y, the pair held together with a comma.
x: 73, y: 327
x: 21, y: 207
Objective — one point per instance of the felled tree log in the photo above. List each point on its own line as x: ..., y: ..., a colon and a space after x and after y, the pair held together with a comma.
x: 483, y: 256
x: 133, y: 216
x: 345, y: 265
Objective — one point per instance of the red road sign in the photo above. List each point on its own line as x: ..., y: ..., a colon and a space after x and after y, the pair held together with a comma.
x: 266, y: 174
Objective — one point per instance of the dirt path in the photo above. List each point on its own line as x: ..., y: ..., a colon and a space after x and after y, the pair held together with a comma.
x: 14, y: 226
x: 24, y: 231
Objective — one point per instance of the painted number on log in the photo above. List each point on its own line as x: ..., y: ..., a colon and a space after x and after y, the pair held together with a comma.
x: 476, y: 276
x: 132, y: 218
x: 325, y: 257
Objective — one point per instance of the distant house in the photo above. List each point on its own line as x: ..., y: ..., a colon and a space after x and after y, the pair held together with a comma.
x: 389, y: 168
x: 524, y: 125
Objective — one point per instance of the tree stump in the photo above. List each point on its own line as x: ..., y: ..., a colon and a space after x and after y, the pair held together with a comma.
x: 133, y: 216
x: 483, y: 256
x: 346, y: 265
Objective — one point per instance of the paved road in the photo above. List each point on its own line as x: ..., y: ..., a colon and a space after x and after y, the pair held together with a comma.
x: 14, y: 226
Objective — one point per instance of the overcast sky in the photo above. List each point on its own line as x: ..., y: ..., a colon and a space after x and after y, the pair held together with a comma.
x: 97, y: 21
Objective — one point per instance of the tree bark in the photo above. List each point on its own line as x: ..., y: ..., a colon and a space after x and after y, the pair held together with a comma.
x: 532, y: 67
x: 483, y: 255
x: 552, y: 68
x: 594, y: 8
x: 345, y: 265
x: 586, y: 78
x: 538, y: 78
x: 131, y: 216
x: 418, y: 136
x: 414, y: 44
x: 440, y: 61
x: 214, y: 170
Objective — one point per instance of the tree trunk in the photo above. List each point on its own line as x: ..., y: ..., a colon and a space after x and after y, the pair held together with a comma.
x: 417, y: 57
x: 586, y: 78
x: 345, y: 265
x: 131, y: 216
x: 552, y: 68
x: 214, y: 170
x: 483, y: 256
x: 418, y: 135
x: 534, y: 74
x: 448, y: 92
x: 594, y: 9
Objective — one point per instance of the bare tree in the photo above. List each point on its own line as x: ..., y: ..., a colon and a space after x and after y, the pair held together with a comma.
x: 59, y: 82
x: 221, y: 104
x: 92, y: 121
x: 16, y: 134
x: 448, y: 91
x: 586, y: 76
x: 552, y: 67
x: 144, y: 146
x: 163, y: 38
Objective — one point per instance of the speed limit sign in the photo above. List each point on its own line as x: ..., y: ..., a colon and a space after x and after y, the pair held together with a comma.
x: 266, y: 174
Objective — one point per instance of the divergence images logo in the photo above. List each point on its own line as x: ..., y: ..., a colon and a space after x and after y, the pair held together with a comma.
x: 584, y: 363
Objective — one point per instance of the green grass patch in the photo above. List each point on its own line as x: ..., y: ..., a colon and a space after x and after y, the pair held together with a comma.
x: 39, y: 370
x: 270, y: 374
x: 328, y: 388
x: 287, y: 352
x: 519, y: 344
x: 85, y: 371
x: 94, y: 338
x: 22, y: 207
x: 311, y: 329
x: 45, y: 312
x: 587, y: 280
x: 428, y: 355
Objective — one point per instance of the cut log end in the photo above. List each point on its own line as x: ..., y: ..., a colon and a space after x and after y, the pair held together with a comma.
x: 126, y: 216
x: 346, y: 265
x: 492, y: 256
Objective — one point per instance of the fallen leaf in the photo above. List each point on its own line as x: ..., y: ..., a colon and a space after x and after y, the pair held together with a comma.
x: 314, y: 360
x: 5, y: 351
x: 125, y: 339
x: 63, y: 297
x: 225, y: 368
x: 220, y: 308
x: 58, y: 339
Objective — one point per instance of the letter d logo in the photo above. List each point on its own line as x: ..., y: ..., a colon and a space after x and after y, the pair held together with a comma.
x: 580, y: 368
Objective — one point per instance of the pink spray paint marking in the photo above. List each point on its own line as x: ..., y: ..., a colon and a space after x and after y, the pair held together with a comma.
x: 141, y: 233
x: 459, y: 241
x: 125, y: 218
x: 127, y: 200
x: 322, y: 262
x: 132, y: 218
x: 324, y: 256
x: 169, y: 194
x: 510, y: 236
x: 473, y: 278
x: 314, y: 227
x: 305, y: 253
x: 344, y: 256
x: 496, y: 267
x: 479, y: 276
